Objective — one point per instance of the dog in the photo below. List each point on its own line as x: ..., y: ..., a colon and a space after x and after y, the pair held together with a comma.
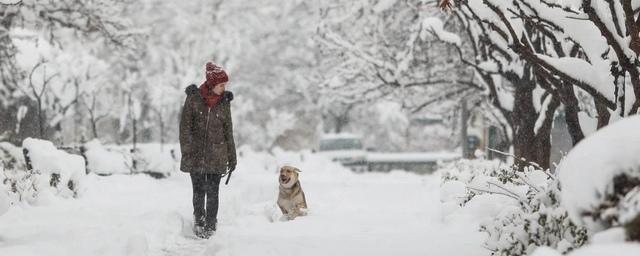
x: 291, y: 199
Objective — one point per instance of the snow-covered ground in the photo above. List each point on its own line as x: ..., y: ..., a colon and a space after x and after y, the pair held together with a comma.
x: 396, y: 213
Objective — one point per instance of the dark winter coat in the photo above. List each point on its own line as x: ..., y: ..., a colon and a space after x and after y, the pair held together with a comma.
x: 206, y: 134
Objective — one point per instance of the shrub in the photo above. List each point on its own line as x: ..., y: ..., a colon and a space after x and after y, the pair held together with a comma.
x: 536, y: 217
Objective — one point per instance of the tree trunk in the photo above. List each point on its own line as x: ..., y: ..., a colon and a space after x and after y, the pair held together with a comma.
x: 40, y: 119
x: 531, y: 146
x: 524, y: 120
x: 571, y: 110
x: 161, y: 132
x: 341, y: 122
x: 603, y: 114
x: 134, y: 133
x: 94, y: 129
x: 542, y: 147
x: 77, y: 117
x: 464, y: 116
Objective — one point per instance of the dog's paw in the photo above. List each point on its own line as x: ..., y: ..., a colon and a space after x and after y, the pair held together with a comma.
x: 284, y: 217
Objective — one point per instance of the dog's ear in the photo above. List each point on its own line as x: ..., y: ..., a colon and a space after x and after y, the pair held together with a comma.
x: 296, y: 169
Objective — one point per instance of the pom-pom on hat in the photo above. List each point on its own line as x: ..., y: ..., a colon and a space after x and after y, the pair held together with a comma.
x: 215, y: 74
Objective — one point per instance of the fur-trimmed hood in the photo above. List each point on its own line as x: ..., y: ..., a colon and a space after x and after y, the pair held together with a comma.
x: 194, y: 90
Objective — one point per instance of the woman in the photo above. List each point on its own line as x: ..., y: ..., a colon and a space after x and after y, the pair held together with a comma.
x: 207, y: 146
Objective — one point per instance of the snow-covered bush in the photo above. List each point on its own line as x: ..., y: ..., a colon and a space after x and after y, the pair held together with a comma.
x: 23, y: 185
x: 64, y: 171
x: 102, y: 161
x: 157, y: 160
x: 11, y: 156
x: 9, y: 160
x: 49, y: 171
x: 600, y: 178
x: 154, y: 159
x: 18, y: 183
x: 519, y: 210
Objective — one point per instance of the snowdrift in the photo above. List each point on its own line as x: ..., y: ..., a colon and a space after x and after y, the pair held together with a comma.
x: 600, y: 177
x: 65, y: 170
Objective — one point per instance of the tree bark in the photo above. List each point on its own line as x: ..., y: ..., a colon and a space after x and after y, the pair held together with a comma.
x: 543, y: 135
x: 603, y: 114
x: 94, y: 130
x: 40, y: 119
x: 571, y: 109
x: 524, y: 120
x: 161, y: 130
x: 464, y: 117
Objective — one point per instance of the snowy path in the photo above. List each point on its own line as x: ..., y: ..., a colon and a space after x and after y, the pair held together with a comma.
x: 368, y: 214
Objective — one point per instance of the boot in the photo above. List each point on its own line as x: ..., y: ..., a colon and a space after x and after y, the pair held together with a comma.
x: 210, y: 229
x: 199, y: 231
x: 199, y: 227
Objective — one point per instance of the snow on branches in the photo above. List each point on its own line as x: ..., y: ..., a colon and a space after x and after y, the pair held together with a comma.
x: 582, y: 54
x: 555, y: 37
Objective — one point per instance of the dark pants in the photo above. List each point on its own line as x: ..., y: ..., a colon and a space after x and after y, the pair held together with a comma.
x: 205, y: 185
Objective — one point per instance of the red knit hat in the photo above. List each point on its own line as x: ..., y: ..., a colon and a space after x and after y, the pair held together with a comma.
x: 215, y: 74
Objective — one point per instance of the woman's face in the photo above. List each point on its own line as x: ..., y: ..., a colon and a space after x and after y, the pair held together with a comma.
x: 219, y: 88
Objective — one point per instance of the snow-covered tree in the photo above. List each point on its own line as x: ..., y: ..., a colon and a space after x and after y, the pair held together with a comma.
x: 379, y: 50
x: 38, y: 36
x: 271, y: 57
x: 573, y: 53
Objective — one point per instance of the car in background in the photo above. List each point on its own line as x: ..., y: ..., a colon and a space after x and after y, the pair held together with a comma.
x: 415, y: 162
x: 344, y: 148
x: 348, y: 150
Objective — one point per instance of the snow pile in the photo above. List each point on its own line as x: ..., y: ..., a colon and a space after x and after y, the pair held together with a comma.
x: 103, y: 161
x: 65, y: 170
x: 453, y: 194
x: 612, y: 235
x: 155, y: 159
x: 619, y: 249
x: 453, y: 190
x: 600, y: 176
x: 518, y: 210
x: 161, y: 159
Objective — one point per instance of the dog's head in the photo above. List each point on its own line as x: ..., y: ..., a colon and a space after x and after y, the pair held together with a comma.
x: 288, y: 175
